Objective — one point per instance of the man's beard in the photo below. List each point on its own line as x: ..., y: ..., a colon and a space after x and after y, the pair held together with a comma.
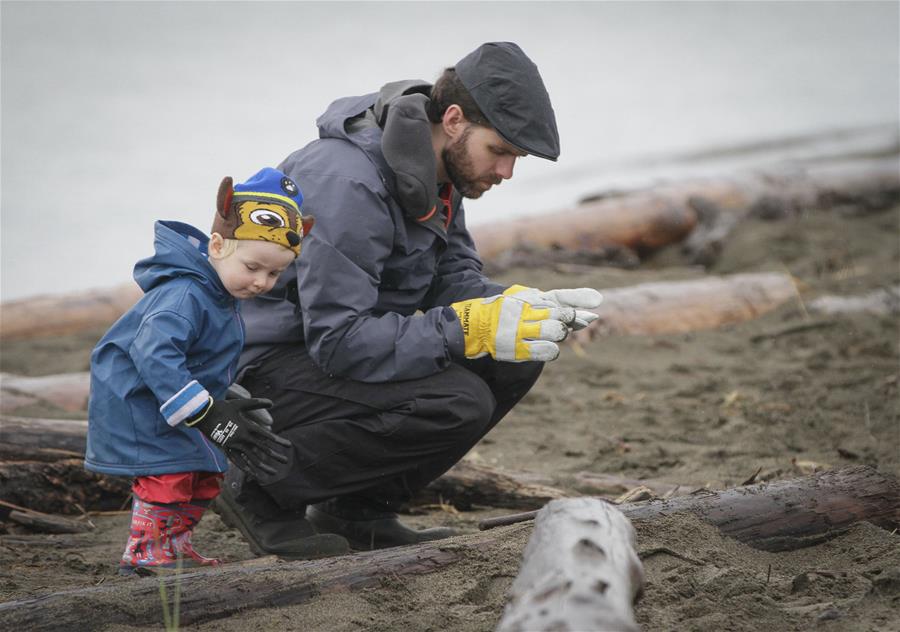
x: 461, y: 171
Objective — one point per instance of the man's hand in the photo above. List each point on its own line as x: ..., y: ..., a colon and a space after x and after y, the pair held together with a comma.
x: 581, y: 299
x: 511, y: 330
x: 251, y: 446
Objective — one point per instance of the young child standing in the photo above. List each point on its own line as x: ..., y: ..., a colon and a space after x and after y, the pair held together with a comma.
x: 157, y: 410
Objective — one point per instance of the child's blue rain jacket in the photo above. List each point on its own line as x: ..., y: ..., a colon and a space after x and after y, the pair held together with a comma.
x: 161, y: 361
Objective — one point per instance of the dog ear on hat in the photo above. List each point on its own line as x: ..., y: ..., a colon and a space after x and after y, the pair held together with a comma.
x: 307, y: 223
x: 223, y: 199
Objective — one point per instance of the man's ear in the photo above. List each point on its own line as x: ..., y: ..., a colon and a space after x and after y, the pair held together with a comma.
x: 454, y: 121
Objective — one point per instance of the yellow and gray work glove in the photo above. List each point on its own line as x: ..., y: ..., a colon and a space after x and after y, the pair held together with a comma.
x: 579, y: 299
x: 511, y: 330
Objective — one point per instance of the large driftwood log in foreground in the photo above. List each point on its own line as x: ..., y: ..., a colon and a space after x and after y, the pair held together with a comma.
x: 219, y: 593
x: 649, y: 219
x: 779, y: 516
x: 783, y: 515
x: 680, y: 306
x: 66, y: 314
x: 579, y: 571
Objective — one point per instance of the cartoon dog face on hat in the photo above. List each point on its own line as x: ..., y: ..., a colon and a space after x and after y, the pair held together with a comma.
x: 266, y: 207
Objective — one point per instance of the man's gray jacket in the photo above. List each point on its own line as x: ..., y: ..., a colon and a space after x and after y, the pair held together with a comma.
x: 370, y: 290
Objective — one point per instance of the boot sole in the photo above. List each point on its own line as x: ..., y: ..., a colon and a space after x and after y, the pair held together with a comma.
x: 314, y: 546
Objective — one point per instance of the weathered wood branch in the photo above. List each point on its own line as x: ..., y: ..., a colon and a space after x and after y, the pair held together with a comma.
x: 579, y: 571
x: 596, y: 484
x: 39, y: 521
x: 783, y: 515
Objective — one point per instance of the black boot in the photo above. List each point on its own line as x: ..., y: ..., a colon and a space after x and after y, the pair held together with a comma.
x: 268, y: 529
x: 368, y: 524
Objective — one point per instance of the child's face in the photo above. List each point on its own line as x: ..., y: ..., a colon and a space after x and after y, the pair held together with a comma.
x: 252, y: 268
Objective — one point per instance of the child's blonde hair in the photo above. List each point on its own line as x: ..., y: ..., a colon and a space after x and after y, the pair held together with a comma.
x: 229, y: 246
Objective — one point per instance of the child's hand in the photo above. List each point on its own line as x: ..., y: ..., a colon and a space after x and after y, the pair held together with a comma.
x: 252, y: 447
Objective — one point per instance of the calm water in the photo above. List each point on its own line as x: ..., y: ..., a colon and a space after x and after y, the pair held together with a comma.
x: 116, y: 114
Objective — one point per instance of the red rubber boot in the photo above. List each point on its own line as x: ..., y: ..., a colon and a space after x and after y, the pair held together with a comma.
x: 160, y: 535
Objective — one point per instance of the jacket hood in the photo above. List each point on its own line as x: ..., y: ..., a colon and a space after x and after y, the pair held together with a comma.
x: 392, y: 127
x: 181, y: 250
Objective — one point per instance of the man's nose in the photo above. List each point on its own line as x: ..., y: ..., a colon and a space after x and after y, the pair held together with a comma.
x: 505, y: 166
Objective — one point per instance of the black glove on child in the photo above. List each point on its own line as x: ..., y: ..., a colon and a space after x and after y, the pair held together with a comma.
x: 252, y: 447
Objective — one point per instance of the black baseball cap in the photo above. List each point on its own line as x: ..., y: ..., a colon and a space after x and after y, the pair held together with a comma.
x: 509, y: 90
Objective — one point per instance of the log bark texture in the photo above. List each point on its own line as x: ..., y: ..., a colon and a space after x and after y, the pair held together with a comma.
x: 780, y: 516
x: 580, y: 571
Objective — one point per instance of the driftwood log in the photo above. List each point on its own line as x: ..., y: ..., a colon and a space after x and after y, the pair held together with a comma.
x: 467, y: 484
x: 61, y: 487
x: 34, y: 439
x: 645, y: 220
x: 783, y: 515
x: 779, y: 516
x: 67, y: 313
x: 681, y: 306
x: 580, y: 571
x: 263, y: 583
x: 642, y: 222
x: 39, y: 521
x: 881, y: 302
x: 647, y: 308
x: 68, y: 391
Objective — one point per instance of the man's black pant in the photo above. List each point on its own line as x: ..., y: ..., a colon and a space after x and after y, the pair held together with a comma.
x: 379, y: 441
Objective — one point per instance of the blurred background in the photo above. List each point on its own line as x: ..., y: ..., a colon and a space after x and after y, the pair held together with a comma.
x: 115, y: 114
